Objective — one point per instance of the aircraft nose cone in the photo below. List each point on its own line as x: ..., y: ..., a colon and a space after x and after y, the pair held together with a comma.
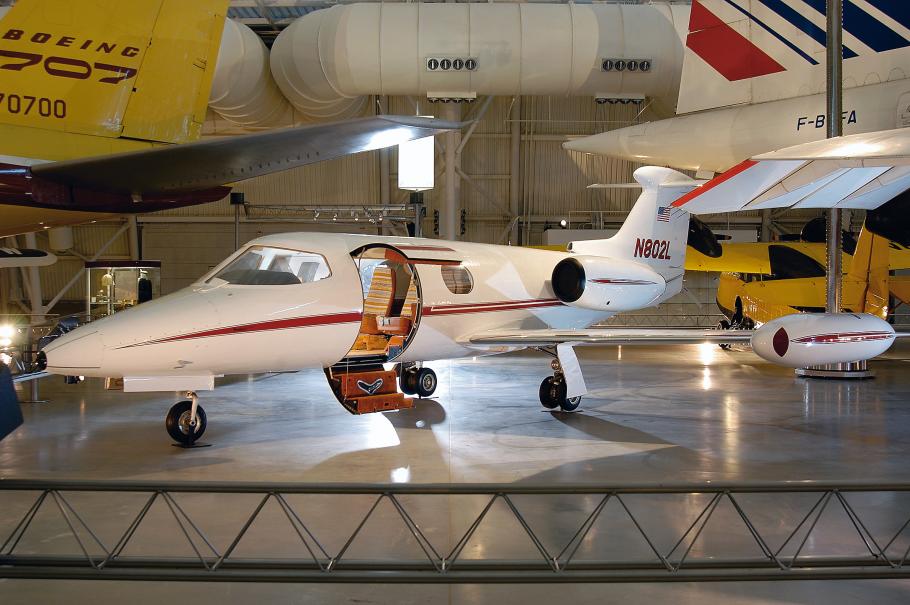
x: 77, y: 350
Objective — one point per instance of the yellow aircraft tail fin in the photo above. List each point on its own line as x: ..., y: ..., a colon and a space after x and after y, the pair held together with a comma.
x: 900, y: 287
x: 138, y: 70
x: 866, y: 283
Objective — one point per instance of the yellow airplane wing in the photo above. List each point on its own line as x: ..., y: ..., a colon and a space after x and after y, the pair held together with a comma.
x: 900, y: 287
x: 740, y: 257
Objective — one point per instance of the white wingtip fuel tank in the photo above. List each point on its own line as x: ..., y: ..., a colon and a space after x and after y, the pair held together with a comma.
x: 810, y: 339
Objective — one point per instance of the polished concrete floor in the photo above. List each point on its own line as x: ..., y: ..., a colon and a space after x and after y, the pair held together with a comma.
x: 686, y: 413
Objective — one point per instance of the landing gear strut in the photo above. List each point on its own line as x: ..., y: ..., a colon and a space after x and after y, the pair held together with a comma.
x: 418, y: 381
x: 186, y: 421
x: 553, y: 391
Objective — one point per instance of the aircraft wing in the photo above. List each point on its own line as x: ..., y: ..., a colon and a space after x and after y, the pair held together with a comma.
x: 15, y: 257
x: 858, y: 171
x: 217, y: 161
x: 609, y: 336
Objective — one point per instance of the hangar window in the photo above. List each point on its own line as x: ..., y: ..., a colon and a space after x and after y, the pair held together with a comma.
x: 457, y: 279
x: 267, y: 266
x: 789, y: 263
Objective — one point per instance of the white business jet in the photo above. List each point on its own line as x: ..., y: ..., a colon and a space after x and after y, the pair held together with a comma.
x: 356, y: 305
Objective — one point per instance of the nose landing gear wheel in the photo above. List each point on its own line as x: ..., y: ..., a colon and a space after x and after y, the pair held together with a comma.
x: 179, y: 423
x: 553, y: 395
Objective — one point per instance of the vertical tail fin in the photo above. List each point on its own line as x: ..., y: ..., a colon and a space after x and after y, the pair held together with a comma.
x: 138, y: 70
x: 866, y: 287
x: 741, y: 52
x: 655, y: 233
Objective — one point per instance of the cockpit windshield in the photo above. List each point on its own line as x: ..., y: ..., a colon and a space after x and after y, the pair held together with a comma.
x: 267, y: 266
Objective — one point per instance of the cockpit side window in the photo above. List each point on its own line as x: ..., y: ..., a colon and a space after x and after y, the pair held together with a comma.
x: 268, y: 266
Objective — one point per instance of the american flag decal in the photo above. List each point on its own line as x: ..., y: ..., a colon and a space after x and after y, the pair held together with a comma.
x: 663, y: 213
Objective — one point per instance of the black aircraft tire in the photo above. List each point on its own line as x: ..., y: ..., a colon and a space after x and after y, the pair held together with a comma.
x: 408, y: 381
x: 549, y: 393
x: 570, y: 404
x: 426, y: 382
x: 177, y: 423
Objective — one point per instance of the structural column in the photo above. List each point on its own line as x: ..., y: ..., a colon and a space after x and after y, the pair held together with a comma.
x: 36, y: 297
x: 451, y: 199
x: 834, y: 278
x: 765, y: 235
x: 133, y: 237
x: 515, y: 170
x: 385, y: 171
x: 835, y: 103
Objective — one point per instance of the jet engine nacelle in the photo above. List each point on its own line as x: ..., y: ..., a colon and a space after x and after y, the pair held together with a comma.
x: 606, y: 284
x: 810, y: 339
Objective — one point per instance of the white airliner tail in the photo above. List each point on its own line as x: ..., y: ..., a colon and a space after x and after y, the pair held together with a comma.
x: 743, y: 52
x: 655, y: 233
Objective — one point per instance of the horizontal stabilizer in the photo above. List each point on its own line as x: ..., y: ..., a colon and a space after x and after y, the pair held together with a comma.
x: 667, y: 185
x: 861, y: 171
x: 217, y: 161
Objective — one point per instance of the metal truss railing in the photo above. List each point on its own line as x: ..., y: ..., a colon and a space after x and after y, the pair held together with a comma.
x: 673, y: 540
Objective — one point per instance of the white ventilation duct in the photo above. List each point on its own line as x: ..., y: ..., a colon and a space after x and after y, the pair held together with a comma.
x: 243, y: 91
x: 326, y: 62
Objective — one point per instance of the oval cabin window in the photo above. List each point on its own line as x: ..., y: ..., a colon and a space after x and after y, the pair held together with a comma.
x: 457, y: 279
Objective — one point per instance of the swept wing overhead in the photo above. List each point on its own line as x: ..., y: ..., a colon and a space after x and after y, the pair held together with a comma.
x: 858, y: 171
x: 16, y: 257
x: 74, y: 191
x: 213, y: 162
x: 609, y: 336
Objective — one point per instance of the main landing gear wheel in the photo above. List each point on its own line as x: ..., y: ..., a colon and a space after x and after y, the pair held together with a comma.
x: 553, y: 395
x: 408, y: 381
x: 418, y: 381
x: 180, y: 425
x: 426, y: 382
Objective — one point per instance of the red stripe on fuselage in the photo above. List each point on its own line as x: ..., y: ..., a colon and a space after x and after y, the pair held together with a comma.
x: 262, y: 326
x: 417, y: 247
x: 624, y: 282
x: 339, y: 318
x: 515, y: 305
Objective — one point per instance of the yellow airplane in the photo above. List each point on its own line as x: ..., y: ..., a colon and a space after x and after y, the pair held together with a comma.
x: 102, y: 103
x: 789, y: 278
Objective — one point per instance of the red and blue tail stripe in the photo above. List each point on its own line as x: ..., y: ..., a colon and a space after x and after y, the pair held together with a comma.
x: 736, y: 57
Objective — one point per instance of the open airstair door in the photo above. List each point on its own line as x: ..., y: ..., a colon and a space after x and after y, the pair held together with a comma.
x: 391, y: 314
